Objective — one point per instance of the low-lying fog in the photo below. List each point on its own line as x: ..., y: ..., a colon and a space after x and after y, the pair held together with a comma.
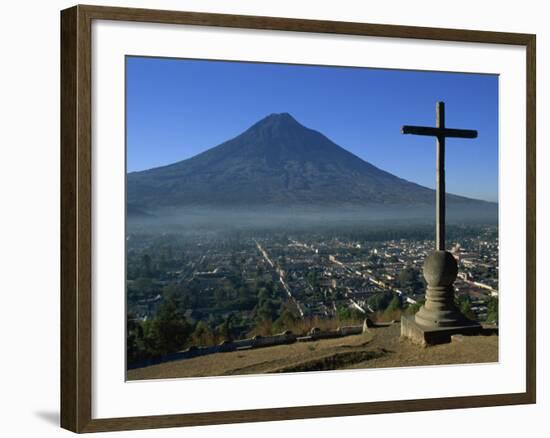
x: 378, y: 216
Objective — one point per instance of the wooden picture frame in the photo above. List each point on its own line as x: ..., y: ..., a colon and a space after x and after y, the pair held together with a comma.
x: 76, y: 218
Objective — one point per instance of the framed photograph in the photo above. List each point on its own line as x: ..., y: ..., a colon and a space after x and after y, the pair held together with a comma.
x: 271, y: 218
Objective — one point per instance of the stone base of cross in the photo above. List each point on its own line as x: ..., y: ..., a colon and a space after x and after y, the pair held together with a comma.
x: 439, y: 318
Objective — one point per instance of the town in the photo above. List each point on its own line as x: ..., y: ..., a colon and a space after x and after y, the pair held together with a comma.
x: 234, y: 285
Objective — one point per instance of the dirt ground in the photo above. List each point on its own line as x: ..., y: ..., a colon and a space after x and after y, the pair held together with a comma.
x: 380, y: 348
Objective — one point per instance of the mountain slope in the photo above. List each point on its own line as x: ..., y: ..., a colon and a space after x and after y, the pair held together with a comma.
x: 277, y: 161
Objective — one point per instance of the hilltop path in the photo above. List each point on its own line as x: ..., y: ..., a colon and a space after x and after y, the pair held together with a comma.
x: 380, y: 348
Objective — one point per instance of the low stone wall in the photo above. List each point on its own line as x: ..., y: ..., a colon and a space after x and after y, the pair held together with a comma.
x: 269, y: 341
x: 317, y: 334
x: 186, y: 354
x: 256, y: 342
x: 351, y: 330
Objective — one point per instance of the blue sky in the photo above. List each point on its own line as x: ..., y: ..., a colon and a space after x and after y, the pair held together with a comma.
x: 177, y: 108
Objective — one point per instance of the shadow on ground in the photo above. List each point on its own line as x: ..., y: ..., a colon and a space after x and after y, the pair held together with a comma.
x: 51, y: 417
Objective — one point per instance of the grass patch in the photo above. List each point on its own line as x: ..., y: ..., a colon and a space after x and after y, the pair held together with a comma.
x: 334, y: 361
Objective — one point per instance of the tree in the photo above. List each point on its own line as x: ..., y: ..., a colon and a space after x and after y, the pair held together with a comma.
x: 135, y: 347
x: 168, y: 330
x: 203, y: 335
x: 224, y: 329
x: 380, y: 300
x: 349, y: 314
x: 409, y: 279
x: 492, y: 310
x: 267, y: 310
x: 465, y: 306
x: 146, y: 265
x: 395, y: 304
x: 285, y: 321
x: 263, y: 294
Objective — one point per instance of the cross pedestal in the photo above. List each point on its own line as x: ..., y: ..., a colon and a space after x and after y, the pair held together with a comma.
x: 439, y: 318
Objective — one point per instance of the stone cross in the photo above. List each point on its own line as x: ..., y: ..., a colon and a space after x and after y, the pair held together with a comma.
x: 440, y: 132
x: 439, y: 318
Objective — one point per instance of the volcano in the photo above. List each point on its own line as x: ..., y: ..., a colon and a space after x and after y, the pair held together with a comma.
x: 276, y: 162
